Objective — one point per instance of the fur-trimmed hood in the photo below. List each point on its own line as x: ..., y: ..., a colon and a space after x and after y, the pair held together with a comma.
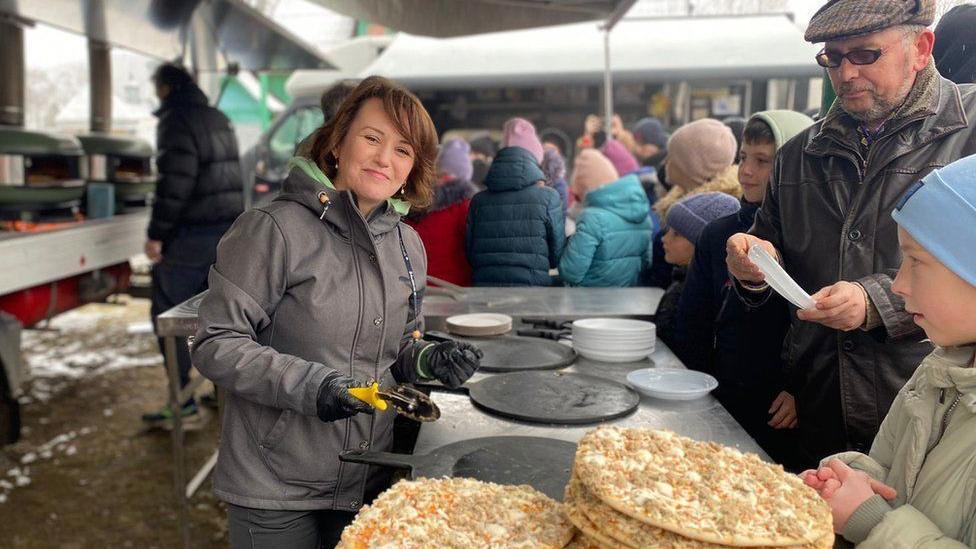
x: 449, y: 194
x: 727, y: 181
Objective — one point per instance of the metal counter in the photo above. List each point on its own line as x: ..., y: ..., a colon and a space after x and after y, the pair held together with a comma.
x: 553, y: 303
x: 180, y: 321
x: 702, y: 419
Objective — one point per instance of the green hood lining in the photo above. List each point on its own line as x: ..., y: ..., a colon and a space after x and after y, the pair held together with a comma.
x: 312, y: 170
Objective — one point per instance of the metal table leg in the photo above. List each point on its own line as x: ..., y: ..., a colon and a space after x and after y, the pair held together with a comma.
x: 179, y: 465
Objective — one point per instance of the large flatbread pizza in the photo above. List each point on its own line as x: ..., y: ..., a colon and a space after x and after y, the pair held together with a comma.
x: 591, y: 531
x: 458, y: 513
x: 700, y: 490
x: 634, y: 533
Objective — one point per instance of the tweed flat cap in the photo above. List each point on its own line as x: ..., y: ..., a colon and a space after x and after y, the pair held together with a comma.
x: 839, y: 19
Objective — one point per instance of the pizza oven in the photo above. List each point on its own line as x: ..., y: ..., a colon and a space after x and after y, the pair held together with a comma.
x: 41, y: 175
x: 125, y: 163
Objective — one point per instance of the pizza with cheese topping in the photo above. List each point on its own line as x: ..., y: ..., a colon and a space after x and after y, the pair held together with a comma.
x: 634, y: 533
x: 700, y: 490
x: 581, y: 541
x: 458, y: 513
x: 590, y: 530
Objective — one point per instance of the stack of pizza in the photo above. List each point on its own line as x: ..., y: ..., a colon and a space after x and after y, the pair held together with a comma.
x: 459, y: 513
x: 643, y: 488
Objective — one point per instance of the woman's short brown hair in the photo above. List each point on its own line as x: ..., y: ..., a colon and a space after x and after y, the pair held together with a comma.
x: 410, y: 119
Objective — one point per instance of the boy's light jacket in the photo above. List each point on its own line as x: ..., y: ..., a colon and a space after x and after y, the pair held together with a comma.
x: 933, y: 471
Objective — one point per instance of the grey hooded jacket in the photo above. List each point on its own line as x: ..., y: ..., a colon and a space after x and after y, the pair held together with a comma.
x: 292, y: 298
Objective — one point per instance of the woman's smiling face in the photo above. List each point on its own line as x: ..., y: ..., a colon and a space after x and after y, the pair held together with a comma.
x: 374, y: 159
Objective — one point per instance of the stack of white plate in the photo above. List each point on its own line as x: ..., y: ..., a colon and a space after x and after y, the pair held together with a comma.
x: 614, y: 339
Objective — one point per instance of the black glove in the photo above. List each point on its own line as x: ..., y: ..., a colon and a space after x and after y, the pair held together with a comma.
x: 450, y: 362
x: 334, y: 401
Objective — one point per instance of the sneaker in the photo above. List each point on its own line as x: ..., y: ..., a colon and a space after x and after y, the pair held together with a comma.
x: 163, y: 419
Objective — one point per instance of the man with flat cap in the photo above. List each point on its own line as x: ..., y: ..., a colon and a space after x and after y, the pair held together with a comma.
x: 826, y: 215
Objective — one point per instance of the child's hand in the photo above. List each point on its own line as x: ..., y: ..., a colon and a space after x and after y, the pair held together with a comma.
x: 845, y: 489
x: 783, y: 410
x: 809, y: 477
x: 822, y: 480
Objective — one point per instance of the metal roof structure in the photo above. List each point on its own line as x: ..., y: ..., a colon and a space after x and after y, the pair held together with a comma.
x: 160, y: 28
x: 445, y: 18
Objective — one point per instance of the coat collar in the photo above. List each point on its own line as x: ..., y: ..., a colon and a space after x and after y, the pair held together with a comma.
x: 306, y: 182
x: 186, y: 95
x: 933, y: 101
x: 747, y: 213
x: 952, y: 367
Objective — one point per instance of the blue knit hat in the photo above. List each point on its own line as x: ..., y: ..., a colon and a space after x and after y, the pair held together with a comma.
x: 649, y: 131
x: 689, y: 215
x: 940, y: 213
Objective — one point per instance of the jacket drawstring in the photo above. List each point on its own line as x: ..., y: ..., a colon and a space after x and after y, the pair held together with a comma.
x: 325, y: 202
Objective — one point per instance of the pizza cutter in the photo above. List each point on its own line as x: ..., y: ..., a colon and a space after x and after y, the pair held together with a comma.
x: 407, y: 401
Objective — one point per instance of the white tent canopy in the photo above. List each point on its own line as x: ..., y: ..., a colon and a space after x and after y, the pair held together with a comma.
x: 658, y: 49
x: 350, y: 57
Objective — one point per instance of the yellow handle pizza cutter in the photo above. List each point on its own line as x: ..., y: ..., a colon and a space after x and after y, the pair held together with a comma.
x: 370, y: 395
x: 407, y: 401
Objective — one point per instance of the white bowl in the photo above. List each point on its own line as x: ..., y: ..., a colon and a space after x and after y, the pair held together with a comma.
x: 672, y: 383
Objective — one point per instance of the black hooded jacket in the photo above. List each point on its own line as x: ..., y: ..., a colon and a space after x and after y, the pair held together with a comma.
x: 199, y: 171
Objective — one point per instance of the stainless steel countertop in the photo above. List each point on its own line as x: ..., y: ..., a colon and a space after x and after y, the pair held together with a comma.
x: 553, y: 303
x: 556, y: 303
x: 702, y: 419
x: 180, y: 321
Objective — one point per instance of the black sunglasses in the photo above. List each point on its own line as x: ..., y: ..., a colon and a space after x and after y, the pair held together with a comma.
x: 833, y: 59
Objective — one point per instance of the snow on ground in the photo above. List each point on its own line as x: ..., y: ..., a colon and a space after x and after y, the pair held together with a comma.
x: 88, y: 341
x: 20, y: 476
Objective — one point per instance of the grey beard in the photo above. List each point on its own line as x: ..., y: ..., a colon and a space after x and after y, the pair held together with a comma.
x: 882, y: 108
x: 879, y: 111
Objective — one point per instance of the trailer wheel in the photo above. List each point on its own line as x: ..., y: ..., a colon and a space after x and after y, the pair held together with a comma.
x: 9, y: 413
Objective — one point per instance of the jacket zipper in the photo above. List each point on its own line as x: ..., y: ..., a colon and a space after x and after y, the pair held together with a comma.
x: 385, y: 317
x: 355, y: 342
x: 948, y: 413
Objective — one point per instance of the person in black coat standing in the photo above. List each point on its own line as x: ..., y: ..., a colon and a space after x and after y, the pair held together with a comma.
x: 717, y: 333
x: 199, y: 194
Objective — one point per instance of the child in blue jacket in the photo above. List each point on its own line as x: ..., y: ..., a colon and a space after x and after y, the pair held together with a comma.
x: 613, y: 232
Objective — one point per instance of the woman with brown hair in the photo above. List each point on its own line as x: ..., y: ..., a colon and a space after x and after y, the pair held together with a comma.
x: 313, y: 294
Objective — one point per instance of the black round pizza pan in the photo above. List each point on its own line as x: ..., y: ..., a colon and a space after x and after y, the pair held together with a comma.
x: 543, y: 463
x: 512, y: 353
x: 553, y: 397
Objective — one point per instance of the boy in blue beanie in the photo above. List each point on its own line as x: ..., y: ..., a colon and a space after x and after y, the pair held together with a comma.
x: 915, y: 487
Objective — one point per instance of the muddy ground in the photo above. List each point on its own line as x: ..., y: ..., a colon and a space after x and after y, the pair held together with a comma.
x: 87, y: 473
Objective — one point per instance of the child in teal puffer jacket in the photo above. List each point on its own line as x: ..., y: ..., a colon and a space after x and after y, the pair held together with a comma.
x: 610, y: 247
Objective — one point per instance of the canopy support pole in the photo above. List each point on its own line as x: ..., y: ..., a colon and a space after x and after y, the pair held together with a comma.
x: 614, y: 18
x: 607, y: 85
